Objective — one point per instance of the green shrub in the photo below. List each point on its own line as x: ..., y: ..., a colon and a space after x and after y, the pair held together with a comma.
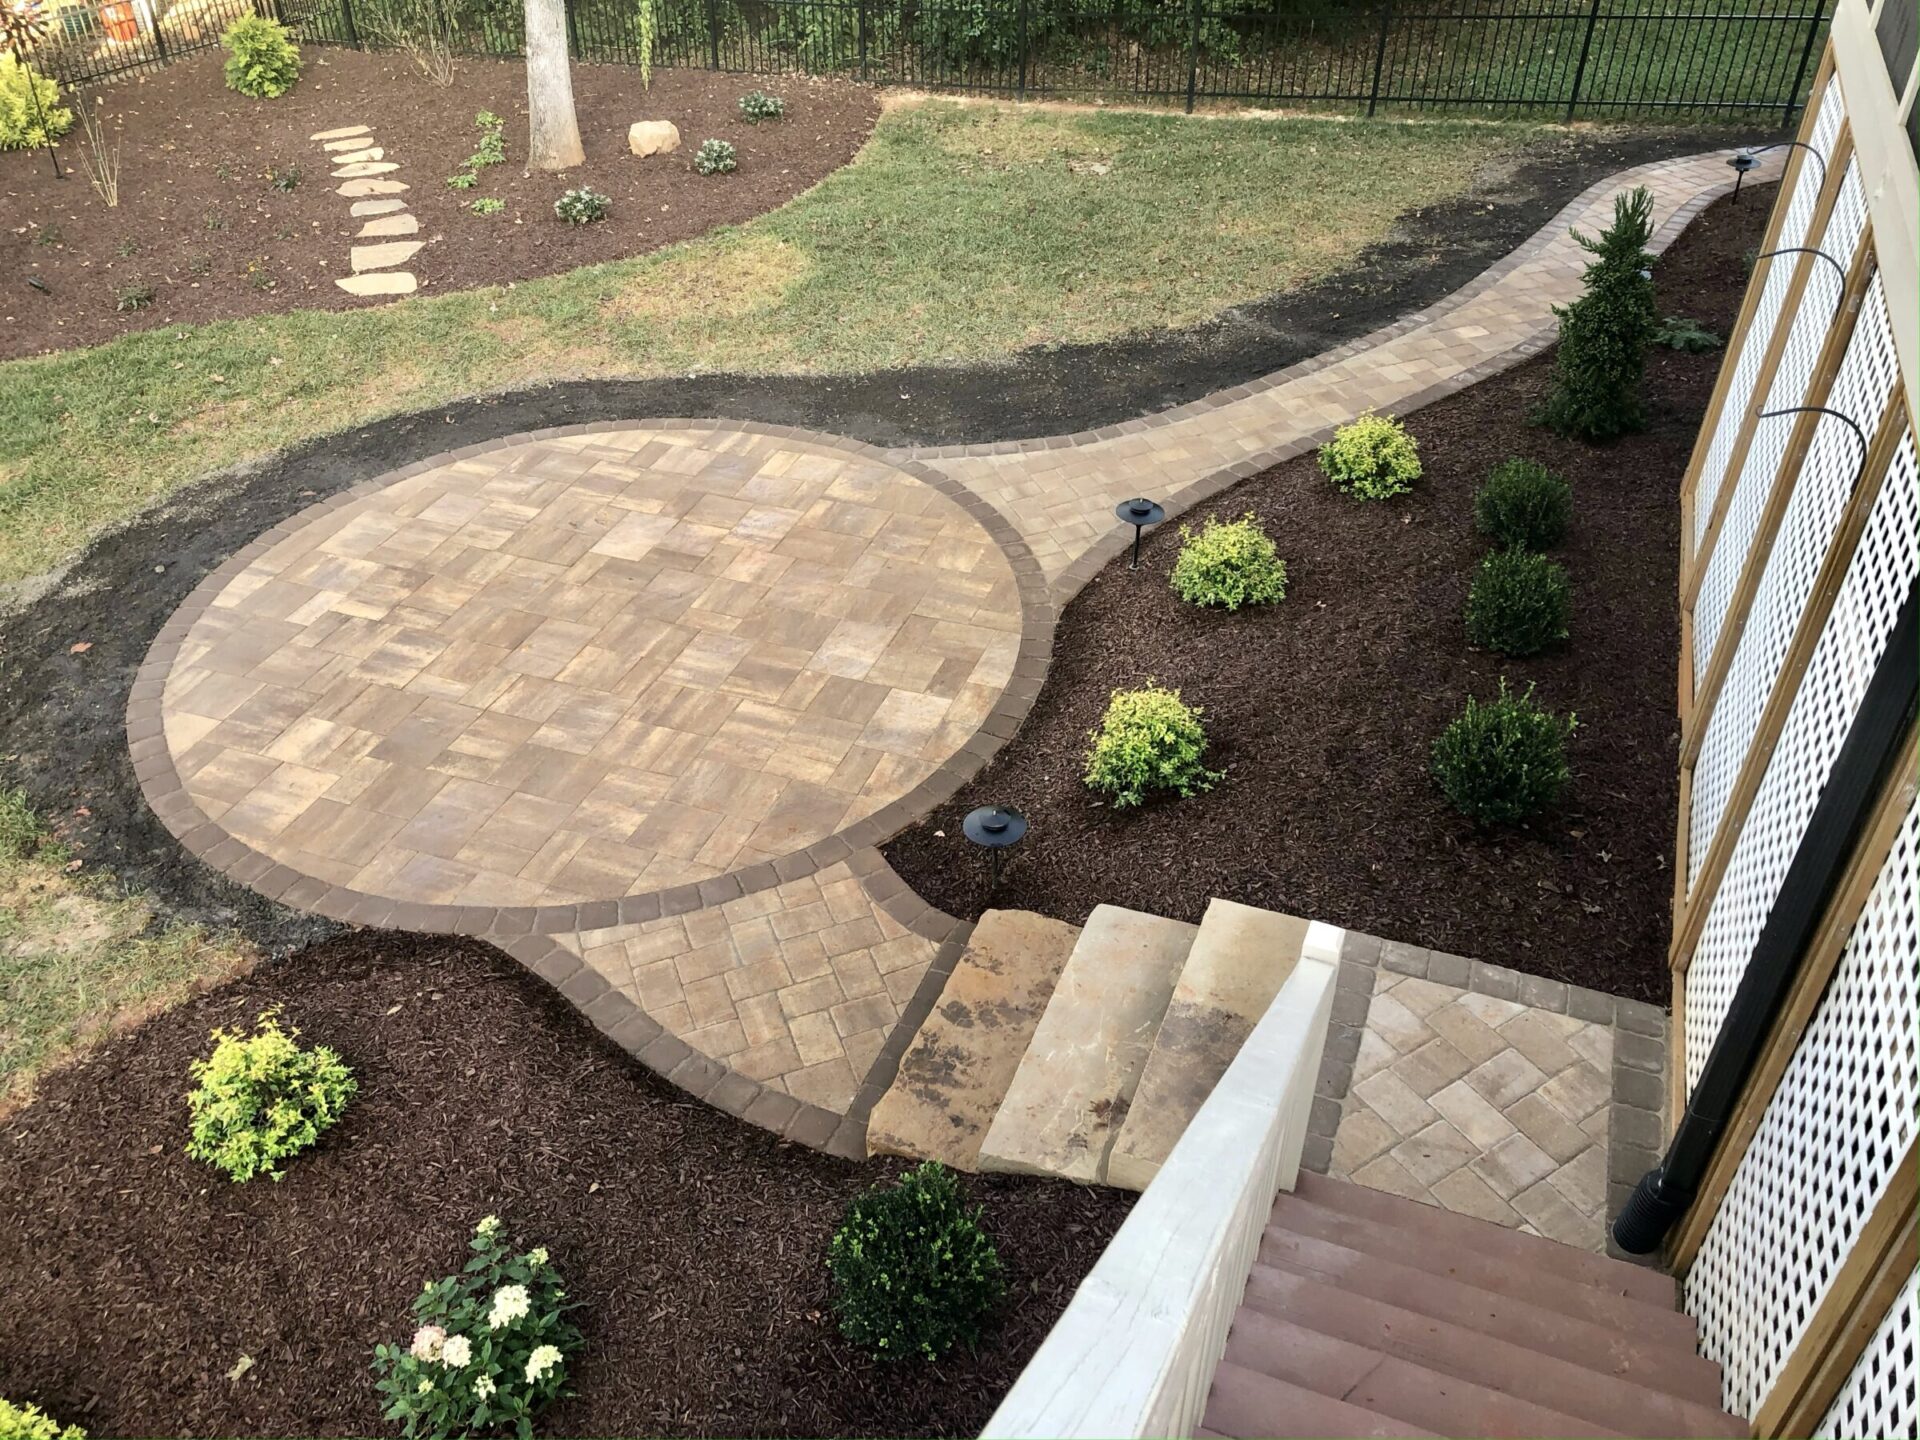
x: 715, y: 157
x: 582, y: 206
x: 1148, y: 741
x: 1504, y: 760
x: 1374, y: 458
x: 913, y: 1271
x: 1518, y: 604
x: 493, y: 141
x: 1523, y: 504
x: 1605, y: 333
x: 21, y: 125
x: 262, y: 1099
x: 1228, y: 565
x: 133, y: 297
x: 284, y: 177
x: 1681, y: 332
x: 464, y: 180
x: 487, y: 205
x: 262, y: 60
x: 757, y: 105
x: 30, y: 1422
x: 490, y: 1348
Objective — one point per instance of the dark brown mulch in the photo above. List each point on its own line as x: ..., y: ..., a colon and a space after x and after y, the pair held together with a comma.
x: 1323, y: 708
x: 213, y: 238
x: 136, y: 1278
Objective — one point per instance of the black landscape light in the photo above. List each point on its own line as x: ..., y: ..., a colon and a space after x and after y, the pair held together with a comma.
x: 1744, y: 162
x: 1139, y: 513
x: 995, y: 829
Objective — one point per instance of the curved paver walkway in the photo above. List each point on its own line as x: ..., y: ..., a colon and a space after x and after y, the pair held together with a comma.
x: 636, y: 703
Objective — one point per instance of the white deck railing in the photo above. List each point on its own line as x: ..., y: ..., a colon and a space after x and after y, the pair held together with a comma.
x: 1135, y: 1350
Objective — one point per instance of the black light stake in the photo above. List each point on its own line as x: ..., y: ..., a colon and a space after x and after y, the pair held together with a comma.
x: 1746, y: 161
x: 1139, y: 514
x: 995, y: 829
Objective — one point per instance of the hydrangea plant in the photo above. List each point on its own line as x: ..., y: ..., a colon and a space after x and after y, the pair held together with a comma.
x: 490, y: 1349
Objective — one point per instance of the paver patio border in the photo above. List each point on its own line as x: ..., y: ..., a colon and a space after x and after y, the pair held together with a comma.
x: 211, y: 843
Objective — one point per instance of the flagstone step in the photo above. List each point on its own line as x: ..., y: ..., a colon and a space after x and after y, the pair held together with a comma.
x: 1240, y: 958
x: 956, y: 1070
x: 389, y: 225
x: 380, y: 282
x: 1072, y: 1091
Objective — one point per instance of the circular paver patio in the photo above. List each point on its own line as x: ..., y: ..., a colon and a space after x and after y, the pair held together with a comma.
x: 590, y: 666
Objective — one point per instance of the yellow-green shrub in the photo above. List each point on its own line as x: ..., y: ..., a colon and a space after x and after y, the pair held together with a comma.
x: 262, y: 1099
x: 262, y: 60
x: 1229, y: 565
x: 1373, y: 458
x: 1148, y: 741
x: 21, y: 126
x: 30, y: 1422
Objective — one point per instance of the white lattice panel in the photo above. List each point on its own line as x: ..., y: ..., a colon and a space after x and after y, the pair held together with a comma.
x: 1832, y: 1136
x: 1806, y: 334
x: 1861, y: 390
x: 1883, y: 567
x: 1746, y: 365
x: 1881, y: 1397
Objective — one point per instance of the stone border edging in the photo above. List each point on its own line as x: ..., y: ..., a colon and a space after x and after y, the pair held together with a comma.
x: 166, y: 794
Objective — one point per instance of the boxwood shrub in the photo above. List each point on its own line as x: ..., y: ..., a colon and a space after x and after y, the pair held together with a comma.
x: 1502, y: 760
x: 914, y: 1273
x: 1518, y: 604
x: 1523, y: 504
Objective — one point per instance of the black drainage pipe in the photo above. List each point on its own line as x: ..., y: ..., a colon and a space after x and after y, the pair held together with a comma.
x: 1860, y: 772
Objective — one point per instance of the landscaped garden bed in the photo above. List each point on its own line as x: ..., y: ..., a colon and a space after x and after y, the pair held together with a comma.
x: 155, y: 1296
x: 1322, y: 709
x: 203, y: 226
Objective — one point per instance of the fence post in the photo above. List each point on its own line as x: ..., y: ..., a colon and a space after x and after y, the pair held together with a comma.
x: 1580, y: 70
x: 1020, y: 90
x: 1193, y: 57
x: 713, y: 35
x: 573, y: 30
x: 863, y: 39
x: 160, y: 36
x: 347, y: 25
x: 1792, y: 102
x: 1380, y: 58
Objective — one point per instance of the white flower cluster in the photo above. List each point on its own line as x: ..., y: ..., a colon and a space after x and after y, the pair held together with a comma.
x: 542, y: 1360
x: 431, y: 1343
x: 510, y: 1302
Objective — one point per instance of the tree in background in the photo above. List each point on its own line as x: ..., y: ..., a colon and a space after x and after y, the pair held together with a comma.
x: 1605, y: 333
x: 553, y: 131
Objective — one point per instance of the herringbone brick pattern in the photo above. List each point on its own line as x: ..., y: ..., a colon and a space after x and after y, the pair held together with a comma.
x: 1483, y: 1106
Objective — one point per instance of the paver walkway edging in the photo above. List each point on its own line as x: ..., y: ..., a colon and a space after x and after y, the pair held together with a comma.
x: 785, y: 989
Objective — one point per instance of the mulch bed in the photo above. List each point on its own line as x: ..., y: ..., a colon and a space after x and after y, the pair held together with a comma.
x: 201, y: 224
x: 1323, y: 708
x: 137, y: 1278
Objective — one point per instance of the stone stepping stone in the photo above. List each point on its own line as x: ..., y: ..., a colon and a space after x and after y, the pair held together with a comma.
x: 355, y: 188
x: 376, y: 207
x: 387, y: 282
x: 389, y: 225
x: 342, y: 133
x: 360, y: 143
x: 380, y: 257
x: 356, y: 157
x: 372, y: 167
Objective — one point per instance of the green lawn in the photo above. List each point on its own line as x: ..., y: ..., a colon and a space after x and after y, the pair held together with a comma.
x: 961, y: 233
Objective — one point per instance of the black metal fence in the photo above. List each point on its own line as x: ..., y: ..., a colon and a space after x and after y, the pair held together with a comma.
x: 1740, y: 60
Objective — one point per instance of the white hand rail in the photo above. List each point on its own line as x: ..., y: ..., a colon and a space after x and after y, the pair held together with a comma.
x: 1135, y: 1350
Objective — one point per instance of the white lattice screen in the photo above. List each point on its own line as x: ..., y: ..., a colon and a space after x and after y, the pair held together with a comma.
x: 1829, y: 1141
x: 1883, y: 566
x: 1881, y: 1397
x: 1793, y: 230
x: 1806, y: 333
x: 1861, y: 390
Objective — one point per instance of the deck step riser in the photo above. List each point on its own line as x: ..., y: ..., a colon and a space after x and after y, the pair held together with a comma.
x: 1248, y: 1404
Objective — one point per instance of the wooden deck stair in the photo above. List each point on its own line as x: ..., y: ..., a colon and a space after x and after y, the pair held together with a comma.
x: 1369, y: 1314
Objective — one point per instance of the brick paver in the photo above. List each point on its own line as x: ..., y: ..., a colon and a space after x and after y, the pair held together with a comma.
x: 635, y: 703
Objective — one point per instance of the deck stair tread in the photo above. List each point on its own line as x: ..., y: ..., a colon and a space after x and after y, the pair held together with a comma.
x: 1404, y: 1315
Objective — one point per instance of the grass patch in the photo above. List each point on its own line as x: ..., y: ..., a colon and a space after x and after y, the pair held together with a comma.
x: 78, y: 961
x: 961, y: 233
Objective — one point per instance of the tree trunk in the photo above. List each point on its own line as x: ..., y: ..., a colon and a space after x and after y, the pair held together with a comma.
x: 553, y: 134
